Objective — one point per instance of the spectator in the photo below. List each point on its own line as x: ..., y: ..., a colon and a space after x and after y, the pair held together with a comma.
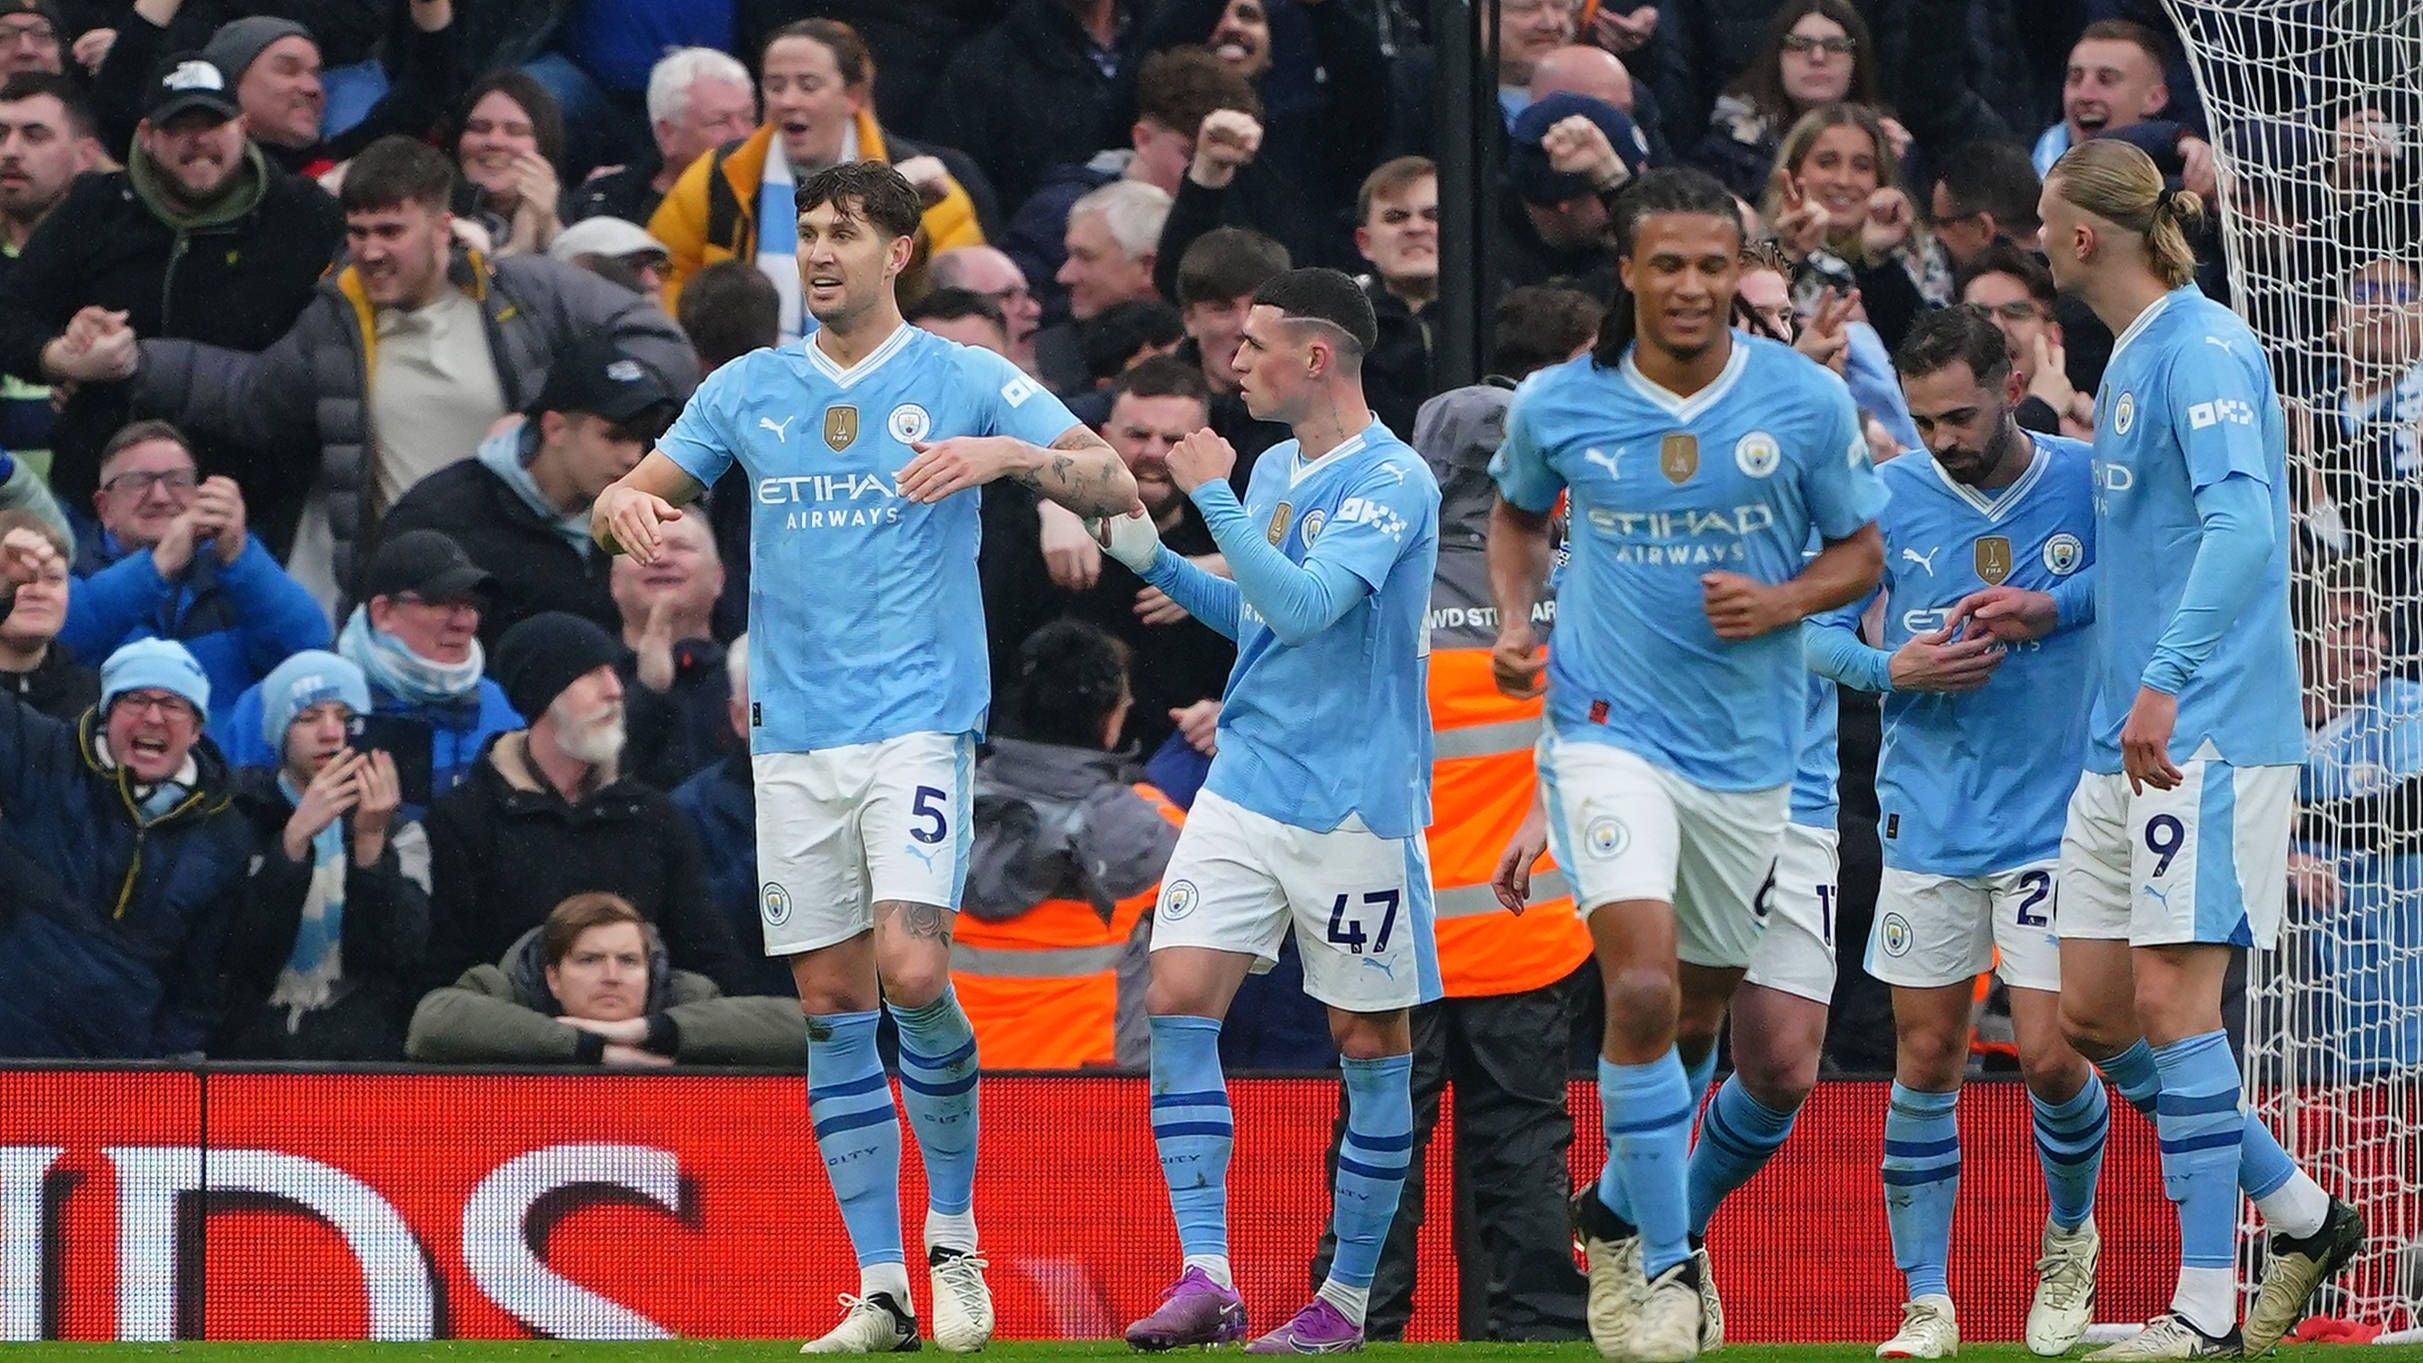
x: 957, y: 315
x: 1555, y: 220
x: 1986, y: 193
x: 35, y: 668
x: 509, y: 145
x: 1039, y: 83
x: 416, y: 636
x: 593, y: 985
x: 104, y: 255
x: 1397, y: 230
x: 1844, y: 225
x: 1175, y: 91
x: 2115, y: 82
x: 32, y: 39
x: 2366, y: 443
x: 735, y: 203
x: 46, y: 141
x: 125, y: 857
x: 405, y: 358
x: 1113, y: 233
x: 547, y: 813
x: 698, y: 99
x: 1048, y: 955
x: 1814, y: 53
x: 173, y: 560
x: 603, y: 54
x: 1528, y: 30
x: 520, y: 506
x: 336, y: 914
x: 595, y: 244
x: 721, y: 802
x: 2015, y: 286
x: 1597, y: 73
x: 1039, y: 565
x: 672, y: 669
x: 1127, y: 334
x: 273, y: 67
x: 729, y: 310
x: 991, y: 275
x: 1215, y: 289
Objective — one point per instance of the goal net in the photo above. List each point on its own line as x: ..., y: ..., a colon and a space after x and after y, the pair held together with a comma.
x: 2314, y: 107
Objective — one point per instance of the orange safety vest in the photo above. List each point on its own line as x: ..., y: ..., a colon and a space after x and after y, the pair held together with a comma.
x: 1042, y: 989
x: 1483, y: 783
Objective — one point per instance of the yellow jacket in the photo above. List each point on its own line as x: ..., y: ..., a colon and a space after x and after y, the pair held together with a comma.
x: 711, y: 213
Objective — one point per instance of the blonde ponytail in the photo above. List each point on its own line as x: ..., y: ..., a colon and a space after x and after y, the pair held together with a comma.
x: 2120, y: 184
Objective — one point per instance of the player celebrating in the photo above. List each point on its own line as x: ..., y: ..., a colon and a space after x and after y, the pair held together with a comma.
x: 868, y: 686
x: 1699, y: 465
x: 1312, y: 815
x: 2175, y: 850
x: 1971, y: 819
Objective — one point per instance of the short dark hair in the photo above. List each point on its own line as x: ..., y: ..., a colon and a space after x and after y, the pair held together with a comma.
x: 1538, y: 325
x: 1162, y: 376
x: 851, y: 55
x: 868, y: 189
x: 1110, y: 338
x: 2156, y: 48
x: 729, y: 309
x: 73, y: 102
x: 394, y: 171
x: 1226, y: 263
x: 1392, y: 177
x: 1997, y: 177
x: 546, y: 116
x: 948, y: 304
x: 2023, y: 265
x: 1320, y: 294
x: 1071, y: 676
x: 576, y: 915
x: 142, y: 432
x: 1961, y: 334
x: 1179, y: 87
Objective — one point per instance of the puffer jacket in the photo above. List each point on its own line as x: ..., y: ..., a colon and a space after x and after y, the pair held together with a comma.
x: 314, y: 383
x: 112, y: 921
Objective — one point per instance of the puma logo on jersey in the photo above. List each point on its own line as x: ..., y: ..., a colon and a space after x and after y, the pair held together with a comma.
x: 1604, y: 460
x: 782, y: 432
x: 1925, y: 560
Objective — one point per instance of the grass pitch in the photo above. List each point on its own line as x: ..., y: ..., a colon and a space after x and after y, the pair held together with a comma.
x: 689, y: 1351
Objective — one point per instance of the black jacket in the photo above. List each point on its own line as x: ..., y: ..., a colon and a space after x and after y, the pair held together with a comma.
x: 385, y: 931
x: 238, y: 286
x: 626, y: 192
x: 59, y: 686
x: 1026, y: 94
x: 505, y: 849
x: 1398, y: 374
x: 536, y: 569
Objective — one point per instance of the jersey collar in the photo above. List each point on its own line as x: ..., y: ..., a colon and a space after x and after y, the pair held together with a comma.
x: 2144, y: 319
x: 1675, y: 404
x: 1298, y: 470
x: 868, y: 364
x: 1994, y: 505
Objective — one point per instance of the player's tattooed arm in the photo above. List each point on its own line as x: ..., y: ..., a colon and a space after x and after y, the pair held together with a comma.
x: 924, y: 922
x: 1083, y: 473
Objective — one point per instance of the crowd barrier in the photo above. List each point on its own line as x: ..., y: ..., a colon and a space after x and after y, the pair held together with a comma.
x: 238, y: 1203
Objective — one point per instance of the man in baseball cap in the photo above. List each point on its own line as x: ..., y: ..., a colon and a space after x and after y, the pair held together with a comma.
x: 592, y: 241
x: 520, y: 506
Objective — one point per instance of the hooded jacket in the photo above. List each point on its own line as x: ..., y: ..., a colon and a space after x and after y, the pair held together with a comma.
x: 710, y: 214
x: 313, y: 385
x: 506, y: 849
x: 537, y: 567
x: 505, y: 1013
x: 111, y: 922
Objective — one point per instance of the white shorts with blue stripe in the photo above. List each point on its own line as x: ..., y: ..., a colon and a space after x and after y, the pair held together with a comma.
x: 840, y: 830
x: 2205, y: 862
x: 1359, y: 903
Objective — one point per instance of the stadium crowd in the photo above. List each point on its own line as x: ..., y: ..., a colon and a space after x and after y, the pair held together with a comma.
x: 332, y: 735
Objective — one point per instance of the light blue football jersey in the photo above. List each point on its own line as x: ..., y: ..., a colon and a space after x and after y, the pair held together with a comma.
x: 865, y: 621
x: 1819, y: 771
x: 2187, y: 400
x: 1340, y: 724
x: 1735, y: 478
x: 1976, y: 782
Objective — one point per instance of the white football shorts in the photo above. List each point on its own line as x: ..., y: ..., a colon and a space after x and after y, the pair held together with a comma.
x: 843, y: 829
x: 1796, y: 953
x: 2205, y: 862
x: 1932, y: 930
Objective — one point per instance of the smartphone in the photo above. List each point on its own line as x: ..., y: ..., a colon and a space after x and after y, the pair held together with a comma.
x: 407, y: 743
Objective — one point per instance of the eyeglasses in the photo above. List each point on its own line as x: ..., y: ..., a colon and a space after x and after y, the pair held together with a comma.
x: 175, y: 480
x: 1802, y: 45
x: 2020, y: 310
x: 155, y: 702
x: 2365, y: 291
x: 462, y: 603
x: 39, y: 35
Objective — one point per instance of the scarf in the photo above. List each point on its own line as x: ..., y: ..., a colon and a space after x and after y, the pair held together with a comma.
x: 399, y: 671
x: 241, y: 194
x: 316, y: 966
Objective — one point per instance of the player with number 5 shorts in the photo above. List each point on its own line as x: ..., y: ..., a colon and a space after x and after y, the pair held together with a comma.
x: 1699, y: 464
x: 1982, y: 741
x: 1311, y: 818
x: 2175, y: 850
x: 859, y: 450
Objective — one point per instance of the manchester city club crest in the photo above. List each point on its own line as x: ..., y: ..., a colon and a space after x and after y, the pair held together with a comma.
x: 1678, y: 456
x: 1896, y: 935
x: 1607, y: 837
x: 1993, y: 559
x: 2124, y: 415
x: 909, y: 423
x: 840, y: 425
x: 1757, y: 454
x: 1311, y: 528
x: 1178, y: 900
x: 775, y: 902
x: 2063, y: 553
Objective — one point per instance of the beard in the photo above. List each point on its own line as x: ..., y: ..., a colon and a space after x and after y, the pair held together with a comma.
x: 595, y: 738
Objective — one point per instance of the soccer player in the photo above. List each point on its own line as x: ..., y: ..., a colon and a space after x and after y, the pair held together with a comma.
x: 868, y: 687
x: 2175, y: 849
x: 1699, y: 465
x: 1312, y: 816
x: 1981, y: 749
